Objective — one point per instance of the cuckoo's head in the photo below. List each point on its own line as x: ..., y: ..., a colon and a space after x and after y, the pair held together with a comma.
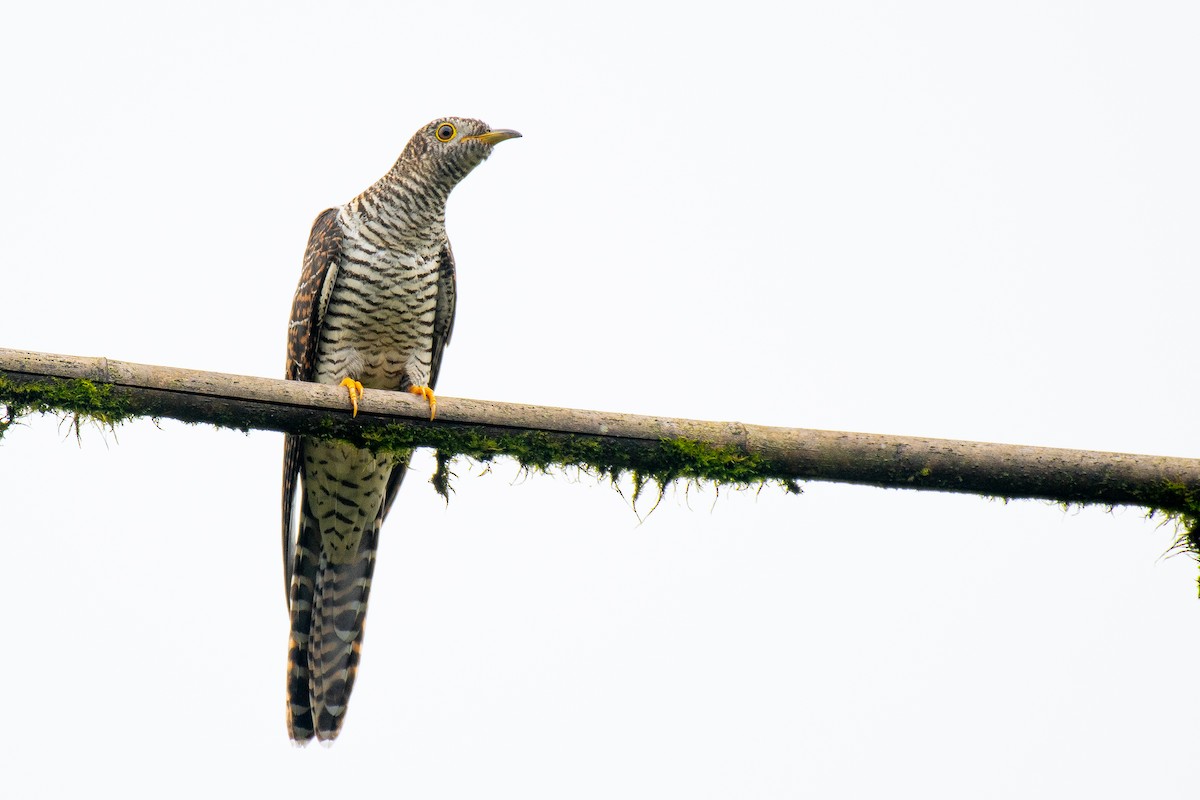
x: 448, y: 148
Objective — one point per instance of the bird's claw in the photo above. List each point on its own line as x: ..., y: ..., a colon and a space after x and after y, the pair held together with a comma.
x: 356, y: 392
x: 427, y: 393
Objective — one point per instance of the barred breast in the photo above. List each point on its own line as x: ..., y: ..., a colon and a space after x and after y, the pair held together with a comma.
x: 378, y: 326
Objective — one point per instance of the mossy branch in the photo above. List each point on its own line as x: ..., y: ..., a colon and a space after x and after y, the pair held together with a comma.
x: 651, y: 449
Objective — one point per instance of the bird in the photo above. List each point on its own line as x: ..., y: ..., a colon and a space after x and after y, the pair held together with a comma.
x: 374, y: 308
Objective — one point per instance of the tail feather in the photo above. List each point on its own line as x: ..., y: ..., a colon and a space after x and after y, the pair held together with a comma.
x: 331, y: 566
x: 336, y: 634
x: 329, y: 604
x: 299, y: 705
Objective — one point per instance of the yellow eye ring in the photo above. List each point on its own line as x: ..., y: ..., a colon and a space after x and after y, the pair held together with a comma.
x: 445, y: 132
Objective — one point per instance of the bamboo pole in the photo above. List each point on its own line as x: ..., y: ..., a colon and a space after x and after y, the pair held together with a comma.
x: 626, y: 441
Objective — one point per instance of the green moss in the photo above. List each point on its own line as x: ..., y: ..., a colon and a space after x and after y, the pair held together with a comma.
x: 1182, y: 509
x: 660, y: 463
x: 81, y: 399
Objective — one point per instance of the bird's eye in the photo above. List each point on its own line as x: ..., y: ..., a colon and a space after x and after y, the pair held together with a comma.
x: 445, y: 132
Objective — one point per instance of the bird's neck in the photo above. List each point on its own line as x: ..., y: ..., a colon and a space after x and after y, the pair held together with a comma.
x: 409, y: 205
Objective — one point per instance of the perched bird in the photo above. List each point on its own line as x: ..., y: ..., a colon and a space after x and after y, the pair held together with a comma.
x: 375, y: 308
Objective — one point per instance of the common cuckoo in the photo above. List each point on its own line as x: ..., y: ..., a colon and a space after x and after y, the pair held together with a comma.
x: 374, y: 308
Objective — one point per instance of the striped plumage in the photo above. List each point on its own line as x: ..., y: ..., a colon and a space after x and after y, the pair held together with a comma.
x: 375, y: 304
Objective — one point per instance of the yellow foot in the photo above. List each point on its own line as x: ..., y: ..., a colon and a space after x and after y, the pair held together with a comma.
x: 427, y: 393
x: 356, y: 391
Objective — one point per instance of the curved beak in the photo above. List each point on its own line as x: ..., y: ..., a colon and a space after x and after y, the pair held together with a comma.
x: 495, y: 137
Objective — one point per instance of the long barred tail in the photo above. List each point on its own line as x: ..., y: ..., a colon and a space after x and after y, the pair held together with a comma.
x: 328, y: 608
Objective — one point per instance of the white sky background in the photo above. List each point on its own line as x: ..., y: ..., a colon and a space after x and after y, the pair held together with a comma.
x: 933, y: 219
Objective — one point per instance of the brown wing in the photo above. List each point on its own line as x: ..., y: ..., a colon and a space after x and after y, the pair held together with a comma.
x: 308, y: 309
x: 443, y: 315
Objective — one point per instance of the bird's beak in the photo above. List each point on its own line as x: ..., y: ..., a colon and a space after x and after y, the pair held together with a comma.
x: 495, y: 137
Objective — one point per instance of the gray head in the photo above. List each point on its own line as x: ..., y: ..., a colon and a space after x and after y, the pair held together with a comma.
x: 447, y: 149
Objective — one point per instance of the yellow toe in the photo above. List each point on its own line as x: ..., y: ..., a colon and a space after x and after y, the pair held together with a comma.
x: 427, y: 393
x: 356, y: 392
